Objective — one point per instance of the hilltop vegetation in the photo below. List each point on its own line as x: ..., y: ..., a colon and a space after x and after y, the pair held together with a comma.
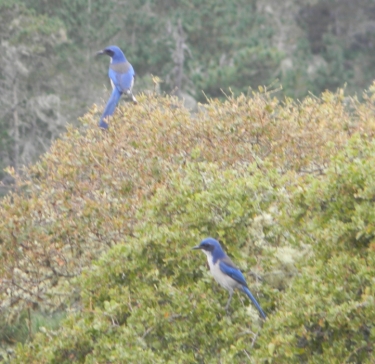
x: 102, y: 228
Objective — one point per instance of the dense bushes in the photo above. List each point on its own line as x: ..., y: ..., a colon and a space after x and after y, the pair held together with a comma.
x: 151, y: 299
x: 327, y: 314
x: 286, y: 188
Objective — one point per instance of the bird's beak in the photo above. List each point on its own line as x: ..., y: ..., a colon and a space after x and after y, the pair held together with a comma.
x: 196, y: 247
x: 99, y: 53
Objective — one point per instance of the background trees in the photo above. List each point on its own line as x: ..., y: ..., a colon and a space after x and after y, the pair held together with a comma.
x: 30, y: 109
x: 198, y: 49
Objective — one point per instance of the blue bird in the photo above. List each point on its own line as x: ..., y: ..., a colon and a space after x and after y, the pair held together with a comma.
x: 121, y: 74
x: 225, y: 272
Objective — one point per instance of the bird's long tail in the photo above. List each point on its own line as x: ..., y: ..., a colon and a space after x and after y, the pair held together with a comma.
x: 110, y: 107
x: 248, y: 293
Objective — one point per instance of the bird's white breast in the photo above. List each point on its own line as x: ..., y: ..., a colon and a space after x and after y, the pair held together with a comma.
x: 224, y: 280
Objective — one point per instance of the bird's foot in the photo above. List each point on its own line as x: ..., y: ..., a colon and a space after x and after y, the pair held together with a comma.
x: 103, y: 125
x: 227, y: 310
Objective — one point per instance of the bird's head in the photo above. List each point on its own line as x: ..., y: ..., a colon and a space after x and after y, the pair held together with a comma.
x: 114, y: 52
x: 211, y: 247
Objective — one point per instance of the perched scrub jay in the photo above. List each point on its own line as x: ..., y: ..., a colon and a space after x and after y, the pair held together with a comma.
x: 121, y: 74
x: 224, y: 271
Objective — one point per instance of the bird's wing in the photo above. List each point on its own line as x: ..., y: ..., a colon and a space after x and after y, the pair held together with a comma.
x: 228, y: 268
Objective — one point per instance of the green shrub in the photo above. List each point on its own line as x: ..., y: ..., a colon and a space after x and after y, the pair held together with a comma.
x: 328, y: 313
x: 152, y: 299
x: 258, y: 174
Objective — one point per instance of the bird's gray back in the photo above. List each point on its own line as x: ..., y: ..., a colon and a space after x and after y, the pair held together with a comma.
x: 120, y: 67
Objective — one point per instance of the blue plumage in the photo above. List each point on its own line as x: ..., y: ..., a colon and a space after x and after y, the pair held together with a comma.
x: 227, y: 267
x: 225, y: 272
x: 122, y: 75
